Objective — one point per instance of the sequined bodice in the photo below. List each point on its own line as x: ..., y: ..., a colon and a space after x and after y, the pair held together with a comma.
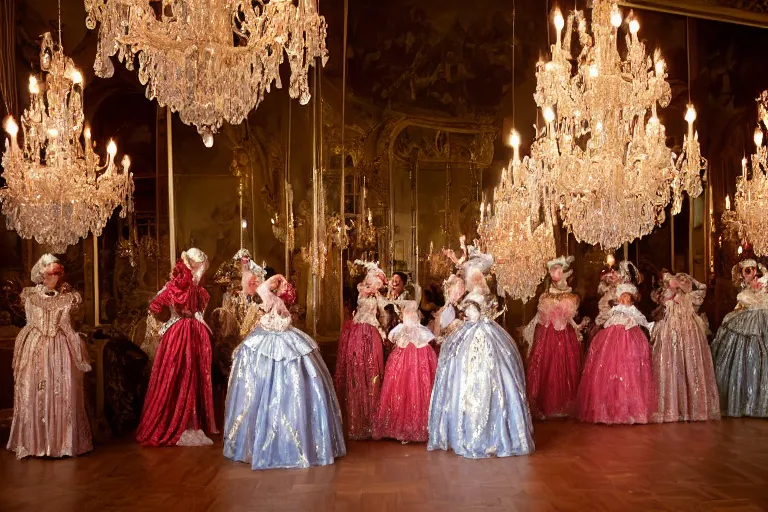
x: 46, y: 313
x: 273, y: 321
x: 367, y: 310
x: 557, y: 309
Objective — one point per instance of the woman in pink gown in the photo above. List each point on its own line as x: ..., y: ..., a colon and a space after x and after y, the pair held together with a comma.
x: 49, y: 359
x: 360, y: 360
x: 408, y: 378
x: 682, y: 362
x: 617, y: 385
x: 554, y: 363
x: 179, y: 401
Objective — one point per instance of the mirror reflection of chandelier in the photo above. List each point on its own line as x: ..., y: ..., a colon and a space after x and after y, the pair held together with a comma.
x: 210, y: 60
x: 514, y: 230
x: 56, y: 189
x: 608, y: 166
x: 751, y: 212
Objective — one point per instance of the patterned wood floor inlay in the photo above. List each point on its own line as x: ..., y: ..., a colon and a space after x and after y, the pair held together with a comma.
x: 704, y: 466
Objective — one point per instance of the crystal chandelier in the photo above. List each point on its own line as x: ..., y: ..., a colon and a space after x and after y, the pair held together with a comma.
x: 609, y: 171
x: 514, y: 230
x: 56, y: 189
x: 210, y: 60
x: 751, y: 198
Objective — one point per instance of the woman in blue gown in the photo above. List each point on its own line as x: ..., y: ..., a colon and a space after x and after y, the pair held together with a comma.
x: 479, y: 407
x: 281, y: 409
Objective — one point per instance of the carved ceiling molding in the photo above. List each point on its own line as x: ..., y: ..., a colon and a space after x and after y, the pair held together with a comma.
x: 477, y: 151
x: 743, y: 12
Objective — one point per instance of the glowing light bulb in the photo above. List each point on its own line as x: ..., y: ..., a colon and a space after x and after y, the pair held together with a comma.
x: 244, y: 224
x: 87, y: 132
x: 758, y: 137
x: 549, y: 114
x: 10, y: 126
x: 559, y: 21
x: 610, y: 260
x: 126, y: 162
x: 740, y: 250
x: 76, y: 77
x: 659, y: 67
x: 112, y: 148
x: 514, y: 139
x: 616, y: 18
x: 634, y: 27
x: 34, y: 87
x: 690, y: 114
x: 727, y: 202
x: 53, y: 133
x: 208, y: 138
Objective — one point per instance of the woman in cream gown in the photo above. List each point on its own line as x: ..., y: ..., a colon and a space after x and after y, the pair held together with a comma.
x: 49, y: 360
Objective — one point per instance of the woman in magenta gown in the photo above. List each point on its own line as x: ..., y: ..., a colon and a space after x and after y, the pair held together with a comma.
x: 179, y: 401
x: 360, y: 361
x: 617, y: 386
x: 554, y: 364
x: 408, y: 378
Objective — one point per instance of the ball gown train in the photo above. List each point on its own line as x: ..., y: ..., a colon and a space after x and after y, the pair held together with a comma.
x: 617, y: 385
x: 49, y: 358
x: 179, y: 401
x: 740, y: 351
x: 281, y: 409
x: 682, y: 362
x: 408, y: 378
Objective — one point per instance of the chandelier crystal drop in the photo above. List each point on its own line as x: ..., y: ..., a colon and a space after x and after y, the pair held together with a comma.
x: 56, y: 189
x: 751, y: 198
x: 516, y: 230
x: 609, y: 171
x: 210, y: 60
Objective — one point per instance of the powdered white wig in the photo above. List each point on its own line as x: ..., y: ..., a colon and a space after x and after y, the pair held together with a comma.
x: 626, y: 288
x: 38, y: 270
x: 196, y: 261
x: 562, y: 261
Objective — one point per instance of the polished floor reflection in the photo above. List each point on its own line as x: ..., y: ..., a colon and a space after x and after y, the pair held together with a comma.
x: 704, y: 466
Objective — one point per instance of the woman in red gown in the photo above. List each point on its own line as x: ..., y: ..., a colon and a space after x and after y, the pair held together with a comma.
x: 179, y: 401
x: 360, y: 362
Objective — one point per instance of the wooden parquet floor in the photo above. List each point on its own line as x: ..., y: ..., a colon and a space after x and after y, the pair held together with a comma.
x: 714, y: 466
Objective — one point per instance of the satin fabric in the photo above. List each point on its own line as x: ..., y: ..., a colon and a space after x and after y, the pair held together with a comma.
x: 479, y: 407
x: 682, y: 365
x: 281, y: 409
x: 49, y: 358
x: 358, y: 377
x: 180, y: 394
x: 740, y: 351
x: 617, y: 385
x: 405, y: 395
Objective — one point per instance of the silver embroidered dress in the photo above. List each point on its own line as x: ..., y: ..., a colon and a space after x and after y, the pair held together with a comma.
x: 281, y: 409
x: 479, y: 407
